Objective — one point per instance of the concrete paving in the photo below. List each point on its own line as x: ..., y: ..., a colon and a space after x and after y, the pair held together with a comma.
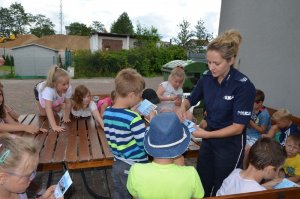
x: 19, y: 93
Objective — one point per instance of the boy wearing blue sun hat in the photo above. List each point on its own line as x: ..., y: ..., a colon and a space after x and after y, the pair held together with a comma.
x: 166, y: 139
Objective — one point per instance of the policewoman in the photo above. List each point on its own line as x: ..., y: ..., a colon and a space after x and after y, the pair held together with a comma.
x: 228, y: 97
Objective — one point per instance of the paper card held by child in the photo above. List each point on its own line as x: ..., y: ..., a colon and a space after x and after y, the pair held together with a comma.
x: 63, y: 185
x: 285, y: 183
x: 146, y: 107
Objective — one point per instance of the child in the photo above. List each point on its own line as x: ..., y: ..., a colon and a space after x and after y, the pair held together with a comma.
x: 151, y: 95
x: 14, y: 115
x: 170, y: 92
x: 83, y: 105
x: 8, y: 124
x: 18, y: 162
x: 291, y: 166
x: 165, y: 140
x: 51, y: 95
x: 259, y: 123
x: 106, y: 102
x: 283, y: 124
x: 266, y: 158
x: 125, y: 129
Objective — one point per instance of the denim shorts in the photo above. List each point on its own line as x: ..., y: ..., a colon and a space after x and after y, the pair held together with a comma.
x: 119, y: 174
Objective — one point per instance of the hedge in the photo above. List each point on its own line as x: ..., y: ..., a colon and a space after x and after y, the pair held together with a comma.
x: 147, y: 61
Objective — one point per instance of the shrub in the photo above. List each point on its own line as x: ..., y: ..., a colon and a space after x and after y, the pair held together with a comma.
x: 146, y: 60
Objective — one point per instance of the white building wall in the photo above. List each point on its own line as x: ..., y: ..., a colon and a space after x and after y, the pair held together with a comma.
x: 270, y: 51
x: 94, y: 42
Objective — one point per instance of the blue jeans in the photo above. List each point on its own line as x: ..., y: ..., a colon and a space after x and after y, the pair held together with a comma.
x: 119, y: 174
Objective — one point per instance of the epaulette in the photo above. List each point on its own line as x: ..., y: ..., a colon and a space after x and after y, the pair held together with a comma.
x: 206, y: 72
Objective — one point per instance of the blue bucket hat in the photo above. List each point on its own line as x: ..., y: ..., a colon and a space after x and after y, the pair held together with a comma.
x: 166, y: 137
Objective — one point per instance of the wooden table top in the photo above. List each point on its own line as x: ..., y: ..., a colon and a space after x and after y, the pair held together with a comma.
x: 82, y: 145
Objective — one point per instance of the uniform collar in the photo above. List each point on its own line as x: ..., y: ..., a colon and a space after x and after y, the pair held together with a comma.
x: 228, y: 77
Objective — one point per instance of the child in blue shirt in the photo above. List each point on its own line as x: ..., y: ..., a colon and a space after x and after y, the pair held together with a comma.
x: 259, y: 124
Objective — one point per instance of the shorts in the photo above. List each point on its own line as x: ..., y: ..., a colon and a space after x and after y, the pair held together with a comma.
x: 251, y: 140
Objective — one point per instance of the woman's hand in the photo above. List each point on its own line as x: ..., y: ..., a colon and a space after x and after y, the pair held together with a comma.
x: 201, y: 133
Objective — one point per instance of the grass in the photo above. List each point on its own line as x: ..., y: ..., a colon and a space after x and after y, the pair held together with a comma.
x: 7, y: 71
x: 6, y: 68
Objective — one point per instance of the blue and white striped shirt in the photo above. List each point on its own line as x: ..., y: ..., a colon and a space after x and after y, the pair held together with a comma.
x: 125, y: 130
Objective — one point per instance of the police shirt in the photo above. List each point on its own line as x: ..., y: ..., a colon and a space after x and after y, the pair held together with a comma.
x: 226, y: 103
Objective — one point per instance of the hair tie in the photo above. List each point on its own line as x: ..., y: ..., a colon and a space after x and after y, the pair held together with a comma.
x: 4, y: 154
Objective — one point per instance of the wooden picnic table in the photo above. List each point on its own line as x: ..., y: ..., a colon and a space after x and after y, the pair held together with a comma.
x: 82, y: 145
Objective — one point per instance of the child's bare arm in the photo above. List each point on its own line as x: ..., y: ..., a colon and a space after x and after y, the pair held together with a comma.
x: 273, y: 130
x: 270, y: 184
x: 260, y: 129
x: 50, y: 116
x: 97, y: 117
x: 19, y: 127
x: 295, y: 179
x: 160, y: 91
x: 102, y: 109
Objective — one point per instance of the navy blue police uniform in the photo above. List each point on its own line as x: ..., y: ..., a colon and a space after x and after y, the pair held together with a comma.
x: 228, y: 102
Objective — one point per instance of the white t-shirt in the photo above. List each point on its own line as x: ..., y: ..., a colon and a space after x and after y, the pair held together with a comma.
x: 235, y: 184
x: 85, y: 112
x: 48, y: 93
x: 169, y: 91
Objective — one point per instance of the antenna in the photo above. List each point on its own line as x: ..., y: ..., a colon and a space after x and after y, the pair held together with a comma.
x: 61, y: 17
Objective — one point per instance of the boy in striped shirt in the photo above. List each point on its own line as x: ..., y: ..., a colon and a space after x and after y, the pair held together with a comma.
x: 125, y: 129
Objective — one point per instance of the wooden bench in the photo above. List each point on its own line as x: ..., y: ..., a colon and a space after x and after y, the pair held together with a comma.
x: 287, y: 193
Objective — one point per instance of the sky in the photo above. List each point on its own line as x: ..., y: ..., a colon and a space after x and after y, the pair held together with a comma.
x: 165, y: 15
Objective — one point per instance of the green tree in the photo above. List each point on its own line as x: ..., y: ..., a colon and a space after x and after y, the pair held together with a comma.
x: 185, y: 35
x: 123, y: 25
x: 81, y: 29
x: 20, y: 20
x: 5, y: 21
x: 42, y: 26
x: 146, y: 36
x: 202, y: 34
x: 97, y: 26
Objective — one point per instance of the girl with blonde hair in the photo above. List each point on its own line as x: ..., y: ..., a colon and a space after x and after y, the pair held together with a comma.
x: 53, y: 95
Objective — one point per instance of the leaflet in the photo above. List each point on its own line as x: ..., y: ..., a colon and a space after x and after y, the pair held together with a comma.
x: 285, y: 183
x: 146, y: 107
x: 63, y: 185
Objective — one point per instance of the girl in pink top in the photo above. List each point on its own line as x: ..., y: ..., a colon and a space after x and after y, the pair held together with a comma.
x: 106, y: 102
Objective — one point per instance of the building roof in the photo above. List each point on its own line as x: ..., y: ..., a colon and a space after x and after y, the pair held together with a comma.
x: 58, y: 42
x: 61, y: 42
x: 33, y: 44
